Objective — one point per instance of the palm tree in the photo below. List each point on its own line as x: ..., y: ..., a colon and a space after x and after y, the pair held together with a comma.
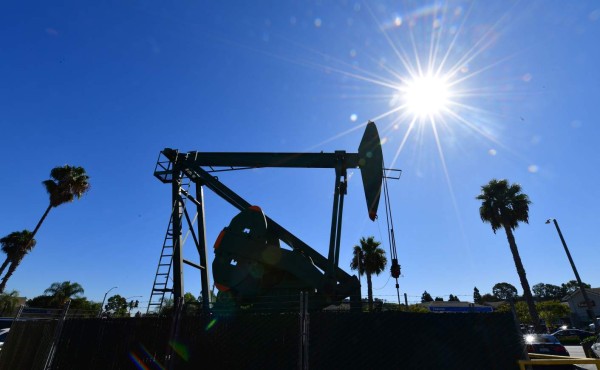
x: 8, y: 302
x: 66, y: 184
x: 10, y: 245
x: 368, y: 259
x: 16, y: 245
x: 62, y: 292
x: 503, y: 206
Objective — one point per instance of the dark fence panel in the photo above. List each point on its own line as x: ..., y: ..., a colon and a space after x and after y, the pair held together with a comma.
x: 246, y: 341
x: 386, y: 340
x: 230, y: 342
x: 394, y: 340
x: 27, y: 345
x: 126, y: 343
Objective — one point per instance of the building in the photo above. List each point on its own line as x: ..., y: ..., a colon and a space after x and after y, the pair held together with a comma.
x: 579, y: 316
x: 455, y: 307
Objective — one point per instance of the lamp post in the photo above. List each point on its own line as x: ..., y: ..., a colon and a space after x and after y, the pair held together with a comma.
x: 589, y: 309
x: 104, y: 299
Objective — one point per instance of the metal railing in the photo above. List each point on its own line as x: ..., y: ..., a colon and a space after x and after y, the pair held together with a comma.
x: 539, y: 359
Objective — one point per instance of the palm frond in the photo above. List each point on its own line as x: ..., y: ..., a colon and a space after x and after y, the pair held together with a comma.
x: 66, y: 184
x: 503, y: 204
x: 17, y: 243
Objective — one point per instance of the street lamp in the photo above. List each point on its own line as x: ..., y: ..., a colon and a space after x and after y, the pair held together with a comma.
x: 589, y: 310
x: 104, y: 299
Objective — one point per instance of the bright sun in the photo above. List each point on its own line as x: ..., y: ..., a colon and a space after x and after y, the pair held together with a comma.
x: 426, y: 96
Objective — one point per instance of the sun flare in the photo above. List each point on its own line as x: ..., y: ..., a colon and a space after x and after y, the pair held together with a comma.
x: 430, y: 75
x: 426, y: 96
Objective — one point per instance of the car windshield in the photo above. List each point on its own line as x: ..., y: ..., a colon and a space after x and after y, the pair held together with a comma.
x: 540, y: 338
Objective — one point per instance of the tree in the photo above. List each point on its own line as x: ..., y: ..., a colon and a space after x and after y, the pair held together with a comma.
x: 520, y: 308
x: 487, y: 297
x: 132, y: 304
x: 505, y: 206
x: 477, y: 296
x: 167, y: 307
x: 83, y: 307
x: 60, y: 293
x: 192, y: 304
x: 16, y: 245
x: 391, y: 306
x: 66, y: 184
x: 504, y: 291
x: 368, y: 259
x: 551, y: 311
x: 439, y: 299
x: 453, y: 298
x: 417, y: 308
x: 41, y: 301
x: 190, y: 298
x: 8, y: 302
x: 572, y: 286
x: 546, y: 292
x: 211, y: 296
x: 426, y: 297
x: 117, y: 306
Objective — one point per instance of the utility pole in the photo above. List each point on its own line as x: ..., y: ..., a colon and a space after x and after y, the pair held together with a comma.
x: 589, y: 309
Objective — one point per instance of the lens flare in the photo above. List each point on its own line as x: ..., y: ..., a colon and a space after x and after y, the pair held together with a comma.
x: 211, y: 324
x: 137, y: 361
x: 181, y: 349
x: 141, y: 361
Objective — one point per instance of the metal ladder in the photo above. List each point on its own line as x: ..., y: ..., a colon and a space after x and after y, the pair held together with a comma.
x: 162, y: 282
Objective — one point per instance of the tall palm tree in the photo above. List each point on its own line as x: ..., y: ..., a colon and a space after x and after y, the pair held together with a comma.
x: 62, y: 292
x: 503, y: 206
x: 368, y: 259
x: 66, y: 184
x: 16, y: 245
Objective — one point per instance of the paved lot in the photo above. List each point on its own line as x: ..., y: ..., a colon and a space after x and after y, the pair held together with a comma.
x: 577, y: 351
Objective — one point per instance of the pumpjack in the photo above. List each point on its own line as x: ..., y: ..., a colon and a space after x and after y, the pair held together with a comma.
x: 250, y: 267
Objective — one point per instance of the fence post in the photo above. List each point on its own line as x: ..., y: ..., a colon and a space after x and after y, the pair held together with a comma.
x: 513, y: 310
x: 19, y: 313
x: 57, y: 332
x: 304, y: 326
x: 15, y: 319
x: 170, y: 359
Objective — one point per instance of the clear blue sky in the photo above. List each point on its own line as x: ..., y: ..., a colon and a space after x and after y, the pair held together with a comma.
x: 108, y: 85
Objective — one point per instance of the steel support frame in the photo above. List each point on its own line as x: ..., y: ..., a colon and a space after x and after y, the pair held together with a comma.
x: 198, y: 236
x: 178, y: 289
x: 337, y: 212
x: 369, y: 159
x: 201, y: 246
x: 184, y: 164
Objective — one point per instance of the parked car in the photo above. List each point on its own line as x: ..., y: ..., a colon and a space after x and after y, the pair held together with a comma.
x: 3, y: 334
x: 545, y: 344
x: 572, y: 336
